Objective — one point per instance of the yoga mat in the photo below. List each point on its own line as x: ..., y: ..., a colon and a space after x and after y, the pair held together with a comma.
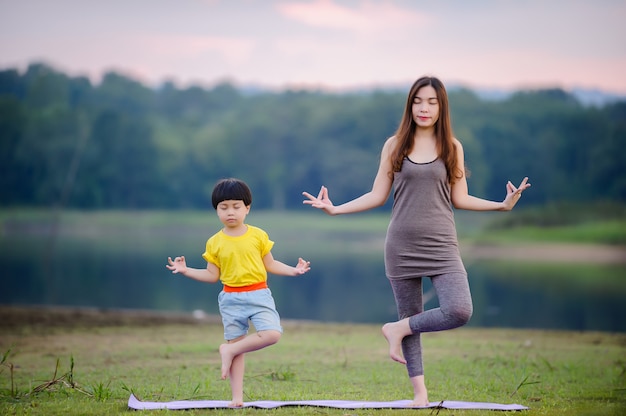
x: 136, y: 404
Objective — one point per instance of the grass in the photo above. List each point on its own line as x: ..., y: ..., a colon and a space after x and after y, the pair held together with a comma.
x: 612, y: 232
x: 591, y: 223
x: 82, y: 368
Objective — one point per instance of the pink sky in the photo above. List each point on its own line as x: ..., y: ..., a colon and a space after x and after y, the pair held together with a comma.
x: 325, y: 43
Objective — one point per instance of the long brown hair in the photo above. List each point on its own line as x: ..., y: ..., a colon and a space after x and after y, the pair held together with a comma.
x: 443, y: 130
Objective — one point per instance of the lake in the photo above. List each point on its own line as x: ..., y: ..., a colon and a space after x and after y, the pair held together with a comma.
x: 119, y: 262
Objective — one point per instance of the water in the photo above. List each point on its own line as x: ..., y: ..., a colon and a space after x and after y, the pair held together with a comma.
x: 129, y: 272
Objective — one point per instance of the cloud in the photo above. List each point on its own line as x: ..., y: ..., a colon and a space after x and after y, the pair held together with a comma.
x: 232, y: 49
x: 338, y: 43
x: 365, y: 17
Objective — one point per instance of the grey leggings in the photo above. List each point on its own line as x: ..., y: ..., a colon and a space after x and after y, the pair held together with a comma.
x: 455, y: 309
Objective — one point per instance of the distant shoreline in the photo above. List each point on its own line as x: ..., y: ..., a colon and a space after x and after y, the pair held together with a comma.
x: 547, y: 252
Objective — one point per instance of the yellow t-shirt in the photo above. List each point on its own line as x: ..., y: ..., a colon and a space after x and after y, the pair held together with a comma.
x: 240, y: 259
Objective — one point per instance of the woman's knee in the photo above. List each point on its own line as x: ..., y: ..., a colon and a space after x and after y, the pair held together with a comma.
x: 460, y: 314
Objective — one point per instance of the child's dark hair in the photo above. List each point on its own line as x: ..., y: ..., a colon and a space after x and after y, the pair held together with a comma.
x: 231, y: 189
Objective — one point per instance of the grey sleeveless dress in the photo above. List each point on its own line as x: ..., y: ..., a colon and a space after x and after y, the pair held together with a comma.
x: 421, y: 238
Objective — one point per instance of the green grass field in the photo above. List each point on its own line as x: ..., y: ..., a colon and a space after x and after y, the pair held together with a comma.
x: 70, y: 365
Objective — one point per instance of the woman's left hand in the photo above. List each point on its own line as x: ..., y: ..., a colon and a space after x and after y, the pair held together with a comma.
x: 514, y: 194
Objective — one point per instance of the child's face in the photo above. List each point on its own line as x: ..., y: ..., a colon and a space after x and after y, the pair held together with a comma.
x: 232, y: 213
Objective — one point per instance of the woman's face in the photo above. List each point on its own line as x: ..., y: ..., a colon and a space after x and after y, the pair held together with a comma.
x: 426, y: 107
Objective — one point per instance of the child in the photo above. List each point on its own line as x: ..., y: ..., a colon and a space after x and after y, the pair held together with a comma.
x: 240, y: 256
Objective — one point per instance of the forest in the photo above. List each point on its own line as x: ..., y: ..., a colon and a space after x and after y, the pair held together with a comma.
x: 70, y: 143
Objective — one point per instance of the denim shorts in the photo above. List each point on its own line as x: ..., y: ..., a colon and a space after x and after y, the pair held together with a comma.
x: 238, y: 308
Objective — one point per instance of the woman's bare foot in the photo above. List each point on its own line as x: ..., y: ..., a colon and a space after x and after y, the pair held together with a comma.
x: 394, y: 336
x: 420, y: 394
x: 227, y: 360
x: 420, y: 402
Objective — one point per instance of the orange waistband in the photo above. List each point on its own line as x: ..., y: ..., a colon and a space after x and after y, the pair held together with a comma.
x: 249, y: 288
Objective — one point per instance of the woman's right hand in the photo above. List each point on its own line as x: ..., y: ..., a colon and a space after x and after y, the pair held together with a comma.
x: 322, y: 201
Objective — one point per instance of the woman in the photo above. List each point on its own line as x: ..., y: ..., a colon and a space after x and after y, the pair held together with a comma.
x: 425, y: 165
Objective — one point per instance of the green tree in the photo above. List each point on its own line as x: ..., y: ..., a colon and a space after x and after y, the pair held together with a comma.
x: 119, y: 166
x: 12, y: 170
x: 121, y: 144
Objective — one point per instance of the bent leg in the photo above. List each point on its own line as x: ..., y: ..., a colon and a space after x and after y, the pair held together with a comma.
x: 455, y: 309
x: 455, y: 305
x: 249, y: 343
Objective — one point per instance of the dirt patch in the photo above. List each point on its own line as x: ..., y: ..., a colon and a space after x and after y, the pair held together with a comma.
x: 12, y: 317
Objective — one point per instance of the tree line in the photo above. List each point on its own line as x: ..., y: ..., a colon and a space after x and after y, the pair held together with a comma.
x: 65, y: 141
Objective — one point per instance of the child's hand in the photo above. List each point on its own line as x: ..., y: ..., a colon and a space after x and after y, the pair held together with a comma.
x: 303, y: 266
x: 178, y: 265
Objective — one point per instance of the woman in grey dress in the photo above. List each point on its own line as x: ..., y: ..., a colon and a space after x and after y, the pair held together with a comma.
x: 424, y: 165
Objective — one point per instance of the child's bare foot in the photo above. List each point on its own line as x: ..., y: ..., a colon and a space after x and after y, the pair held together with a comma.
x: 394, y: 337
x: 236, y: 403
x: 227, y: 360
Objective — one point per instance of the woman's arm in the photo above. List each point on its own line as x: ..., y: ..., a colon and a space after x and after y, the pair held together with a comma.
x: 461, y: 199
x: 377, y: 197
x: 210, y: 275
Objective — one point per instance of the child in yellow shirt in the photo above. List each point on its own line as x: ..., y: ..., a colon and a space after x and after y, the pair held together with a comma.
x: 240, y: 256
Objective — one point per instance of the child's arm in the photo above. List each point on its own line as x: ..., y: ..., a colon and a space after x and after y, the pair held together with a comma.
x: 211, y: 274
x: 277, y: 267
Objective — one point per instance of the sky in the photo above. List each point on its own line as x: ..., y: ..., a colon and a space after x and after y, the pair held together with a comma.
x: 324, y: 44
